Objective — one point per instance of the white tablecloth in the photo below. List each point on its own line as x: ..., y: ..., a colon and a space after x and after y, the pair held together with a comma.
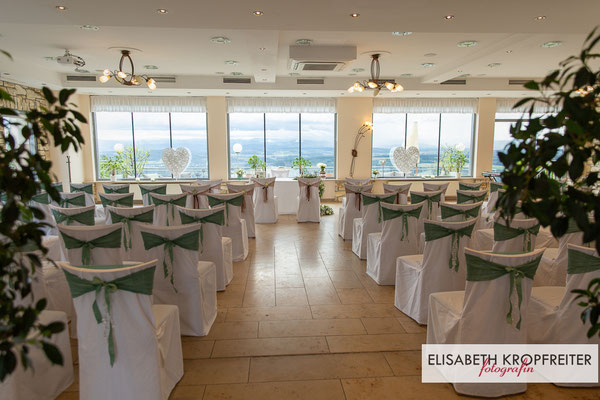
x: 286, y: 190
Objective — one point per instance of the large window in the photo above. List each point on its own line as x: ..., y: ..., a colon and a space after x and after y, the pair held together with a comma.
x: 433, y: 134
x: 136, y: 141
x: 279, y: 138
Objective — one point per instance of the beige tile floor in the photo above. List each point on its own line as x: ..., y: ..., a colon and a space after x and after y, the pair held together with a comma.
x: 302, y: 320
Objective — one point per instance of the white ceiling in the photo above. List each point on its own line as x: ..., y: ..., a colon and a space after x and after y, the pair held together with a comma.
x: 179, y: 42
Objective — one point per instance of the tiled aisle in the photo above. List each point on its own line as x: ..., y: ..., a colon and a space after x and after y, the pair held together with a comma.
x: 302, y: 320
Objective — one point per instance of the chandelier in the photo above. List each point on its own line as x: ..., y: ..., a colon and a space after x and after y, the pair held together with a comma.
x: 127, y: 78
x: 375, y: 83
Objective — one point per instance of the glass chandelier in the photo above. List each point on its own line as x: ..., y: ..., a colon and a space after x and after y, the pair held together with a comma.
x: 127, y: 78
x: 375, y: 83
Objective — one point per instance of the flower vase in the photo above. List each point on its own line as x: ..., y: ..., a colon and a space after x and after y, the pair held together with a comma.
x: 458, y: 175
x: 323, y: 173
x: 113, y: 176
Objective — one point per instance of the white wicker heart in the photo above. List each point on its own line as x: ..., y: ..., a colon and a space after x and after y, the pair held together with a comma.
x: 176, y: 160
x: 404, y: 159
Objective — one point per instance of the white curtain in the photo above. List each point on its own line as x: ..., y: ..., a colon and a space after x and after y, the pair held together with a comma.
x: 147, y: 104
x: 429, y: 105
x: 504, y: 105
x: 281, y: 105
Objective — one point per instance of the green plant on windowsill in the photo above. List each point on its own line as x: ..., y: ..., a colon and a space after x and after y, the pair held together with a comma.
x: 257, y: 164
x: 301, y: 164
x: 454, y: 158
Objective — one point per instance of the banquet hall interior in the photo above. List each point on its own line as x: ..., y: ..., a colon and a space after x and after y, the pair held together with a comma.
x: 280, y: 200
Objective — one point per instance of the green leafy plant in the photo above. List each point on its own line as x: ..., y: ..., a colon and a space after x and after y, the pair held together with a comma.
x: 591, y: 305
x: 110, y: 166
x: 24, y: 174
x: 123, y: 162
x: 454, y: 158
x: 326, y: 210
x: 257, y: 164
x: 552, y: 163
x: 301, y: 164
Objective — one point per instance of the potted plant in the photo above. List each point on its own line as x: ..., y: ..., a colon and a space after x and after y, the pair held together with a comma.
x: 301, y: 164
x: 240, y: 173
x: 322, y: 167
x: 110, y: 166
x: 454, y: 159
x: 375, y: 173
x: 257, y: 165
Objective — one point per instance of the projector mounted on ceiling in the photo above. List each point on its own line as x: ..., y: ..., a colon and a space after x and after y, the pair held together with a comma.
x: 321, y: 58
x: 70, y: 59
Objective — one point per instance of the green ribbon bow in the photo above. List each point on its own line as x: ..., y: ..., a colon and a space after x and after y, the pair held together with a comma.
x: 188, y: 241
x: 162, y: 189
x: 463, y: 198
x: 170, y: 204
x: 78, y: 201
x: 482, y: 270
x: 368, y: 200
x: 472, y: 186
x: 434, y: 232
x: 503, y: 232
x: 147, y: 217
x: 494, y: 186
x: 84, y: 218
x: 217, y: 218
x: 389, y: 214
x: 417, y: 198
x: 125, y: 201
x: 58, y: 186
x: 234, y: 201
x: 138, y: 282
x: 118, y: 190
x: 448, y: 212
x: 111, y: 240
x: 581, y: 263
x: 84, y: 188
x: 41, y: 198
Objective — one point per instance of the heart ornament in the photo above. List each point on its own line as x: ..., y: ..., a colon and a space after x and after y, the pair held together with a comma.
x: 176, y: 160
x: 404, y: 159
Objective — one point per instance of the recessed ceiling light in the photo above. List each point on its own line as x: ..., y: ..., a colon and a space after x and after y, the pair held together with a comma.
x: 226, y: 92
x: 231, y: 62
x: 401, y: 33
x: 81, y: 70
x: 264, y: 80
x: 258, y: 13
x: 355, y: 15
x: 220, y: 73
x: 265, y: 93
x: 467, y: 43
x: 189, y: 92
x: 61, y: 8
x: 358, y: 70
x: 430, y: 54
x: 264, y: 69
x: 449, y: 17
x: 53, y: 59
x: 294, y: 74
x: 262, y: 48
x: 464, y: 75
x: 304, y: 42
x: 220, y: 40
x: 89, y: 27
x: 303, y: 93
x: 110, y: 91
x: 427, y: 65
x: 352, y: 74
x: 236, y: 73
x: 453, y: 94
x: 406, y: 75
x: 488, y: 94
x: 554, y: 43
x: 150, y: 66
x: 508, y: 51
x: 540, y: 18
x: 418, y: 94
x: 162, y: 11
x: 494, y: 65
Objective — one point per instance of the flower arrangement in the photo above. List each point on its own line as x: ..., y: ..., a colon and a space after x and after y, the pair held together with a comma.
x: 240, y: 173
x: 322, y: 166
x: 375, y: 173
x: 326, y: 210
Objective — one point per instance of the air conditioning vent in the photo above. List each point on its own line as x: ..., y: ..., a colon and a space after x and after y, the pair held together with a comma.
x: 237, y: 80
x: 321, y: 58
x: 454, y: 82
x: 318, y: 66
x: 519, y: 82
x: 164, y: 79
x: 81, y: 78
x: 304, y: 81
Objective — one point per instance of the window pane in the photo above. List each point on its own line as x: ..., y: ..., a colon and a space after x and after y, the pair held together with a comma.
x: 457, y: 130
x: 318, y: 141
x: 189, y: 130
x: 427, y: 129
x: 113, y: 129
x: 246, y: 130
x: 502, y: 138
x: 389, y: 131
x: 282, y: 140
x: 151, y: 138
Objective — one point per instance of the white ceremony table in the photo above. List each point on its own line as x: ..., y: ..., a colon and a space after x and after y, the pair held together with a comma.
x: 286, y: 190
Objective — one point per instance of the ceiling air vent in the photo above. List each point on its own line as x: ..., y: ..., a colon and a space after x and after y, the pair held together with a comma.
x: 305, y: 81
x: 320, y: 58
x: 81, y: 78
x: 164, y: 79
x: 237, y: 80
x: 519, y: 82
x: 454, y: 82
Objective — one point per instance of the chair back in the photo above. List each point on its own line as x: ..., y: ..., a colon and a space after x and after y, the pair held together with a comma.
x: 460, y: 212
x: 212, y: 220
x: 264, y: 190
x: 74, y: 216
x: 165, y: 206
x: 87, y: 188
x: 116, y: 200
x: 470, y: 196
x: 232, y: 203
x: 110, y: 188
x: 71, y: 200
x: 400, y: 229
x: 362, y: 181
x: 151, y: 188
x: 469, y: 185
x: 401, y: 191
x: 353, y: 199
x: 517, y: 237
x: 130, y: 220
x: 196, y: 195
x: 92, y: 245
x: 432, y: 201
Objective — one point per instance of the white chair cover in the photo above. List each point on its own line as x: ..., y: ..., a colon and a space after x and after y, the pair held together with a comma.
x: 215, y: 185
x: 116, y: 200
x: 106, y: 253
x: 370, y: 221
x: 148, y: 359
x: 470, y: 196
x: 45, y: 381
x: 42, y: 201
x: 153, y: 188
x: 165, y: 206
x: 184, y: 281
x: 355, y: 182
x: 479, y: 314
x: 196, y: 195
x: 73, y: 216
x: 469, y: 185
x: 131, y: 219
x: 432, y: 202
x: 309, y: 201
x: 235, y: 226
x: 265, y: 201
x: 398, y: 237
x: 493, y: 197
x: 451, y: 212
x: 351, y: 209
x: 554, y: 315
x: 71, y: 200
x: 115, y: 188
x: 434, y: 187
x: 87, y: 188
x: 440, y: 268
x: 248, y: 206
x: 401, y: 191
x: 211, y: 245
x: 515, y: 243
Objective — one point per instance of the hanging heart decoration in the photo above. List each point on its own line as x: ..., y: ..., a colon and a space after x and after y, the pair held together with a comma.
x: 404, y: 159
x: 176, y: 160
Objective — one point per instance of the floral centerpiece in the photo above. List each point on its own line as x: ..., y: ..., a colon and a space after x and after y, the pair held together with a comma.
x: 326, y: 210
x: 322, y: 167
x: 240, y: 173
x: 375, y: 173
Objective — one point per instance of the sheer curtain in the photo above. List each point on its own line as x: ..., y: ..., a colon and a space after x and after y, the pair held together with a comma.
x: 147, y: 104
x: 281, y: 105
x: 423, y: 106
x: 505, y: 105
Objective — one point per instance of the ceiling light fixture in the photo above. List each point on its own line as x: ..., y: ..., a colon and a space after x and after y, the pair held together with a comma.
x: 508, y: 51
x: 401, y: 33
x: 430, y: 54
x: 449, y: 17
x: 237, y: 74
x: 540, y: 18
x: 304, y: 42
x: 406, y: 75
x: 262, y: 48
x: 127, y: 78
x: 358, y: 70
x: 89, y: 27
x: 375, y: 83
x: 220, y: 40
x: 162, y: 11
x: 427, y: 65
x: 231, y: 62
x: 258, y: 13
x: 494, y: 65
x: 554, y: 43
x: 355, y: 15
x: 149, y: 66
x: 61, y: 8
x: 467, y: 43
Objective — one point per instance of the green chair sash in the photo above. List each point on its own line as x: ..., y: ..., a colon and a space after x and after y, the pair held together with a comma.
x: 157, y: 190
x: 138, y: 282
x: 125, y: 201
x: 435, y: 232
x: 573, y: 228
x: 481, y: 270
x: 503, y: 232
x: 462, y: 186
x: 188, y: 241
x: 581, y: 263
x: 111, y: 240
x: 170, y: 204
x: 463, y: 198
x: 234, y: 201
x: 121, y: 190
x: 217, y: 218
x: 417, y: 198
x: 368, y: 200
x: 87, y: 188
x: 58, y: 186
x: 78, y: 201
x: 41, y: 198
x: 389, y: 214
x: 147, y: 217
x: 84, y: 218
x: 494, y: 186
x: 448, y: 212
